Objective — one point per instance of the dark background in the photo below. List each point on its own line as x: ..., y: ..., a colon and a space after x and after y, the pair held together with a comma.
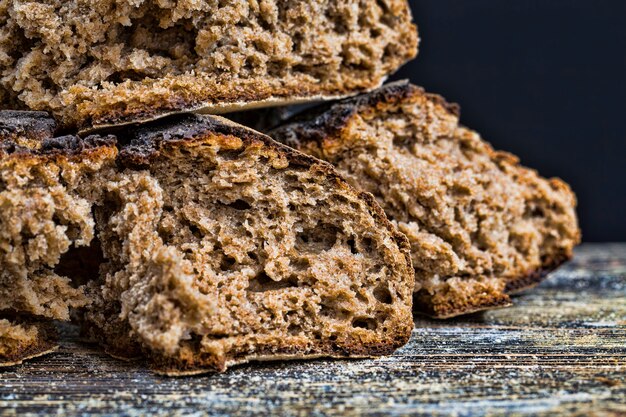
x: 544, y: 79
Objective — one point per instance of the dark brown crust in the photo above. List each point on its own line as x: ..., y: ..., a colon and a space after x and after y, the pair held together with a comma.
x: 28, y: 133
x: 46, y: 343
x: 327, y: 120
x: 514, y: 286
x: 293, y: 352
x: 35, y: 125
x: 424, y: 306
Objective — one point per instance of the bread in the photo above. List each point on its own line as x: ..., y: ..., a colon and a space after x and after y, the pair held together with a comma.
x: 481, y: 226
x: 107, y: 62
x: 208, y: 244
x: 45, y: 213
x: 22, y: 339
x: 45, y: 210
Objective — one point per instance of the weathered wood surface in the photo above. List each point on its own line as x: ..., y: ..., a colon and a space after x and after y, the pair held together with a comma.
x: 560, y: 350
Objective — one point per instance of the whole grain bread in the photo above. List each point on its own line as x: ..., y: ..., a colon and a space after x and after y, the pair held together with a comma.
x: 22, y: 339
x: 481, y: 226
x: 201, y: 244
x: 46, y: 198
x: 45, y: 210
x: 95, y: 63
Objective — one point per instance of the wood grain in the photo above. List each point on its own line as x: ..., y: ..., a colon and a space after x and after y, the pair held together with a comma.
x: 560, y: 350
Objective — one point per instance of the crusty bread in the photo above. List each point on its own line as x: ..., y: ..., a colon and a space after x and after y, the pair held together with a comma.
x: 22, y: 339
x: 224, y: 246
x: 480, y: 225
x: 203, y: 244
x: 45, y: 212
x: 111, y: 61
x: 45, y: 209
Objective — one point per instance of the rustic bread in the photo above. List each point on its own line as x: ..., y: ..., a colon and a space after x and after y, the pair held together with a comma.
x: 480, y: 225
x: 22, y: 339
x: 201, y: 244
x: 110, y: 61
x: 223, y: 246
x: 45, y: 209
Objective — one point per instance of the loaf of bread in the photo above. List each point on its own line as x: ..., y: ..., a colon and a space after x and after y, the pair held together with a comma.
x: 199, y: 245
x: 106, y: 62
x: 480, y: 225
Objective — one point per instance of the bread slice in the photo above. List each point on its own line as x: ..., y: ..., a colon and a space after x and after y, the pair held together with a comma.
x: 204, y: 244
x: 121, y: 60
x: 22, y: 339
x: 480, y: 225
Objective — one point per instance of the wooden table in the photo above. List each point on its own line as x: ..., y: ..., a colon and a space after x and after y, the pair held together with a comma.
x: 560, y: 350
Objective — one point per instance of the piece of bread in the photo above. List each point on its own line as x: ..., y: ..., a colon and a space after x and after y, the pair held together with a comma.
x: 45, y: 213
x: 204, y: 244
x: 112, y: 61
x: 22, y: 339
x: 480, y: 225
x: 45, y: 210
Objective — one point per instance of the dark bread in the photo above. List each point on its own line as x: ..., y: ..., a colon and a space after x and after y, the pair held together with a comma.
x: 284, y: 258
x: 481, y: 226
x: 205, y: 244
x: 46, y: 205
x: 23, y: 338
x: 123, y: 61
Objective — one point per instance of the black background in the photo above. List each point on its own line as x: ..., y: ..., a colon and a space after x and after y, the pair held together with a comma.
x: 544, y: 79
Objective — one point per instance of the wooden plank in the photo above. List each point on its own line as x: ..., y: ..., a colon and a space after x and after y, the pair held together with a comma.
x: 560, y: 350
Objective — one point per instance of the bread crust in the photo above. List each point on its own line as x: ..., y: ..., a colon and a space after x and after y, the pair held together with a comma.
x: 116, y: 118
x: 45, y: 341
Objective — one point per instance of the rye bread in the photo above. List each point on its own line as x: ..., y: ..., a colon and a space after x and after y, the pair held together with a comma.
x: 201, y: 244
x: 481, y: 226
x: 107, y: 62
x: 25, y: 338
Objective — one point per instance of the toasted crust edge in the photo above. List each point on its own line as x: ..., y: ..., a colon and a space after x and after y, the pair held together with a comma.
x: 46, y: 343
x: 534, y: 278
x: 354, y: 350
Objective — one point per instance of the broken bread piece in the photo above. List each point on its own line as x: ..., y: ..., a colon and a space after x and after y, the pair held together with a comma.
x: 22, y: 339
x: 223, y: 246
x: 199, y: 245
x: 46, y: 221
x: 481, y: 226
x: 46, y: 198
x: 107, y: 62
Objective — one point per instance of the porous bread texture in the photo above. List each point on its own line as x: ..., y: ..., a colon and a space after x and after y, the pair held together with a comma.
x: 24, y: 339
x: 109, y: 61
x: 480, y: 225
x: 223, y: 246
x: 46, y: 198
x: 206, y: 244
